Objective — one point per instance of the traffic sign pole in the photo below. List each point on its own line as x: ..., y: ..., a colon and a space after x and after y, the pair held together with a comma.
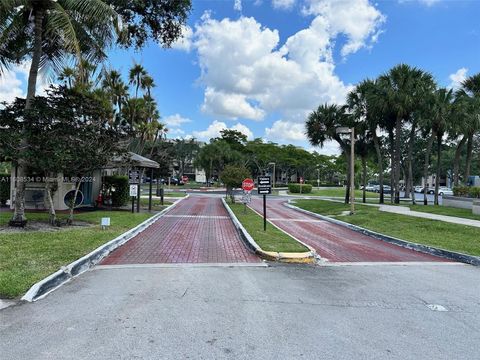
x: 264, y: 212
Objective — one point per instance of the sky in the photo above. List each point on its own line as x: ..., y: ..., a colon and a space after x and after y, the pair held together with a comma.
x: 261, y: 66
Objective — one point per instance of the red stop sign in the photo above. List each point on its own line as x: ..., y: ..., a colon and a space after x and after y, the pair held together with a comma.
x: 248, y: 185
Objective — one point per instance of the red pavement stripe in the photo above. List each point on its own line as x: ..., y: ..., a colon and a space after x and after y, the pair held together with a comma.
x: 335, y: 242
x: 197, y: 230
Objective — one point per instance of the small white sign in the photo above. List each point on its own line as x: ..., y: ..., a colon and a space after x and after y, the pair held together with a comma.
x: 133, y: 190
x: 105, y: 221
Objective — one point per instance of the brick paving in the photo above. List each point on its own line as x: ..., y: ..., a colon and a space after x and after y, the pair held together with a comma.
x: 197, y: 230
x: 334, y: 242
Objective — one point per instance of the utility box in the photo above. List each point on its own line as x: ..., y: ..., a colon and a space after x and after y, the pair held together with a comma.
x: 473, y: 181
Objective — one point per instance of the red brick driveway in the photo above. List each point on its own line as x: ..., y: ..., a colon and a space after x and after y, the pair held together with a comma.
x: 197, y: 230
x: 334, y: 242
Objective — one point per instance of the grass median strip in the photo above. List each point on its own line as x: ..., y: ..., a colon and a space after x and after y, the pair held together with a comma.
x: 453, y: 237
x: 270, y: 240
x: 28, y: 256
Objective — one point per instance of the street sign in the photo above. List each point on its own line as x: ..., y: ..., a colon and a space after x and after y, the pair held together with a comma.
x: 264, y: 181
x: 133, y: 190
x: 264, y: 190
x: 134, y: 177
x: 248, y: 184
x: 301, y: 180
x: 246, y: 197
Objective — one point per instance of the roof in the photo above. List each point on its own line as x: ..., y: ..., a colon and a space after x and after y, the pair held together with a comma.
x: 133, y: 160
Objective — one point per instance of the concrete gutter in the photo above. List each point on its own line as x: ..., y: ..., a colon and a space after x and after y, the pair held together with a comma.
x: 68, y: 272
x: 304, y: 257
x: 451, y: 255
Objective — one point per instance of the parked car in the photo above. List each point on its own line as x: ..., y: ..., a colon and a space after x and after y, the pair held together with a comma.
x: 386, y: 189
x: 418, y: 189
x: 370, y: 187
x: 443, y: 190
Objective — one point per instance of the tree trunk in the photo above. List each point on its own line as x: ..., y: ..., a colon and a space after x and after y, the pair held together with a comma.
x: 425, y: 167
x: 380, y: 165
x: 468, y: 163
x: 364, y: 179
x: 437, y: 175
x: 456, y: 162
x: 347, y: 192
x: 396, y: 182
x: 72, y: 205
x: 51, y: 207
x: 19, y: 217
x: 391, y: 138
x: 409, y: 184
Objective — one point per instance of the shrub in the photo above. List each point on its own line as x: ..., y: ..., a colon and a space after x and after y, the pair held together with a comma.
x: 474, y: 192
x: 460, y: 191
x: 295, y: 188
x: 4, y: 188
x: 118, y: 188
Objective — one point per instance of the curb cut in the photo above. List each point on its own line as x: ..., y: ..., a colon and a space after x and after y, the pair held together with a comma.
x: 451, y: 255
x: 52, y: 282
x: 305, y: 257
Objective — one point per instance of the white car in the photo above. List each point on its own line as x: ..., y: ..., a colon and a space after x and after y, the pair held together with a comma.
x: 443, y: 190
x: 418, y: 189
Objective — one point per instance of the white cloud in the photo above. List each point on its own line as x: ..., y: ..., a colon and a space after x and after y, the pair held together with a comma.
x: 237, y: 5
x: 423, y: 2
x: 286, y: 131
x: 215, y: 127
x: 457, y: 78
x: 185, y: 42
x: 175, y: 120
x: 283, y: 4
x: 13, y: 83
x: 248, y: 73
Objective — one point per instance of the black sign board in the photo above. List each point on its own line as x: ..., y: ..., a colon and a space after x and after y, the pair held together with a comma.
x: 134, y: 177
x: 264, y: 190
x: 264, y: 181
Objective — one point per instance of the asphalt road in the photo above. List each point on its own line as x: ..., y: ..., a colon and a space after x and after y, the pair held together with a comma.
x: 279, y: 312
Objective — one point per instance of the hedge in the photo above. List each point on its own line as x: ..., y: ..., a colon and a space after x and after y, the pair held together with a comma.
x: 117, y: 186
x: 4, y: 188
x: 295, y: 188
x: 467, y: 191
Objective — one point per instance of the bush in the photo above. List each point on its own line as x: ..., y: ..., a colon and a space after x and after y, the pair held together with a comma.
x: 467, y: 191
x: 118, y: 188
x: 295, y: 188
x: 4, y: 188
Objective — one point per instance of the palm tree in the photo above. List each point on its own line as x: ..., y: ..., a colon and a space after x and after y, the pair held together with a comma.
x: 361, y: 101
x: 136, y: 75
x: 118, y: 90
x: 322, y: 126
x: 403, y: 90
x: 471, y: 88
x: 47, y: 32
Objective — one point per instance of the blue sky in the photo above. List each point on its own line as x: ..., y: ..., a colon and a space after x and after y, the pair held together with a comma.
x: 260, y: 66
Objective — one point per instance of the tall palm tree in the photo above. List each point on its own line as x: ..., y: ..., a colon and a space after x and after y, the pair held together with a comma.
x: 471, y: 88
x: 403, y: 90
x: 321, y: 126
x: 136, y: 75
x: 48, y: 32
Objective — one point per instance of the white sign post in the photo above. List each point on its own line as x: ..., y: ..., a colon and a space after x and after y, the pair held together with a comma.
x: 133, y: 190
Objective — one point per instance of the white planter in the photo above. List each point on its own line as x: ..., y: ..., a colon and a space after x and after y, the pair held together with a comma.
x: 476, y: 207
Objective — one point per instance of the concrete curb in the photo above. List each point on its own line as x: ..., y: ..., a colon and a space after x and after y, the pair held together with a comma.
x: 451, y: 255
x: 52, y: 282
x: 305, y: 257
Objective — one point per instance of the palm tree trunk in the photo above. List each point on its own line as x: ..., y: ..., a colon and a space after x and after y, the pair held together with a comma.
x: 425, y: 167
x: 409, y: 183
x: 364, y: 179
x: 19, y: 217
x: 468, y: 163
x: 456, y: 163
x: 396, y: 183
x: 376, y: 142
x: 437, y: 175
x: 392, y: 162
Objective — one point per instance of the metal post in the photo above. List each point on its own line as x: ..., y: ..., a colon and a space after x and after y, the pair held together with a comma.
x: 133, y: 204
x: 139, y: 191
x: 264, y: 212
x: 352, y: 172
x: 318, y: 179
x: 273, y: 175
x: 150, y: 191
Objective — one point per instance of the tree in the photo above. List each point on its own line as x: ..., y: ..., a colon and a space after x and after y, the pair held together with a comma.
x: 322, y: 125
x: 403, y: 88
x: 184, y: 153
x: 232, y: 176
x: 51, y: 31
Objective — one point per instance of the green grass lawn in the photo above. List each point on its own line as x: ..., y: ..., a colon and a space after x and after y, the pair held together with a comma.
x: 339, y: 192
x: 445, y: 210
x: 270, y: 240
x: 156, y: 204
x: 465, y: 239
x: 28, y: 257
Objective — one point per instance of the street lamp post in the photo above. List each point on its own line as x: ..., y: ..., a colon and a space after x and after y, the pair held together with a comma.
x: 272, y: 163
x: 318, y: 178
x: 351, y: 131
